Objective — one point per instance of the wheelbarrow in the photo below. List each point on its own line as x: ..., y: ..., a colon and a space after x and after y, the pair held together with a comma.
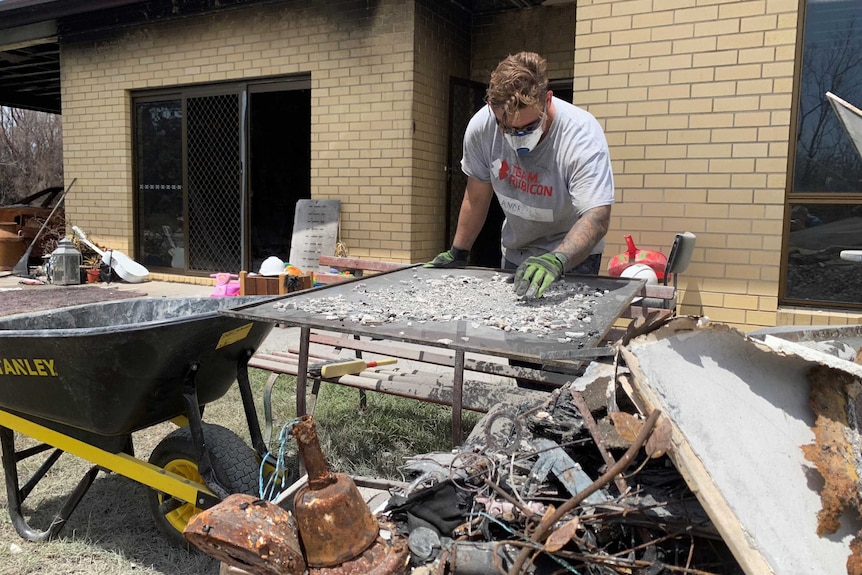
x: 82, y: 379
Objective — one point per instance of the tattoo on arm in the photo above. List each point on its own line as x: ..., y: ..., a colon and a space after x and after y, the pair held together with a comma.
x: 585, y: 234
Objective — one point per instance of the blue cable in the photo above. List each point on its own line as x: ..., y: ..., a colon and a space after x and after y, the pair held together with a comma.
x: 277, y: 481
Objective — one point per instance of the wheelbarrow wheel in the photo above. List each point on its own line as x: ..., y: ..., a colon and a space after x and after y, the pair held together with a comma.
x: 233, y: 461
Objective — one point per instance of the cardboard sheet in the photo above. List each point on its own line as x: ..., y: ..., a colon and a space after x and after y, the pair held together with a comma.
x: 851, y: 119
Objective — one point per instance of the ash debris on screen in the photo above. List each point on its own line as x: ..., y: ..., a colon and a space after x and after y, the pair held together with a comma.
x: 565, y: 310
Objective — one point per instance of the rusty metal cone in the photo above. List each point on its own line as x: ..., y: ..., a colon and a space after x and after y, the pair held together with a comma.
x: 334, y: 522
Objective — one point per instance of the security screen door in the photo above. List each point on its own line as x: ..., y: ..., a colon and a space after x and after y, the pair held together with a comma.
x: 216, y: 178
x: 466, y: 98
x: 215, y: 183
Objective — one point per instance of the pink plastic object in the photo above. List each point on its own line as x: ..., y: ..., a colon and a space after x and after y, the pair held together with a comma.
x: 224, y: 286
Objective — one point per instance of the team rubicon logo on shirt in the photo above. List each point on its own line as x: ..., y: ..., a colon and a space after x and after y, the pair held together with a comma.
x: 22, y: 366
x: 523, y: 180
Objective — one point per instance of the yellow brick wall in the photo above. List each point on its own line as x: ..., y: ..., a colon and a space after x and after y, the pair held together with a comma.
x: 360, y: 58
x: 695, y: 98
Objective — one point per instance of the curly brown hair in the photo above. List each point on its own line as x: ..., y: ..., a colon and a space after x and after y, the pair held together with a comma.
x: 520, y: 81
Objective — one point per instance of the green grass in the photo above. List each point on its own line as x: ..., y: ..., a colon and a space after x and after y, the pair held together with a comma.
x: 371, y: 442
x: 112, y: 533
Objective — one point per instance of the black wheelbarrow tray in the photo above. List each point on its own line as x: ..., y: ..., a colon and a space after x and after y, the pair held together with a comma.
x: 81, y: 379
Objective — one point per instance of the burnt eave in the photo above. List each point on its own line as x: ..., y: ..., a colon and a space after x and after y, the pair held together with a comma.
x: 31, y: 32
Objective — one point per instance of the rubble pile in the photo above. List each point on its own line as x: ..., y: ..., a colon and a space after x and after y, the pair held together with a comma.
x: 566, y: 487
x: 565, y: 306
x: 555, y: 491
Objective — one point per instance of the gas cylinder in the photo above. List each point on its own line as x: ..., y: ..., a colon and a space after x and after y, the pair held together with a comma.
x: 652, y: 258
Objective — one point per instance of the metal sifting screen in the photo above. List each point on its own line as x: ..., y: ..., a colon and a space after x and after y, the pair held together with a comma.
x: 473, y: 309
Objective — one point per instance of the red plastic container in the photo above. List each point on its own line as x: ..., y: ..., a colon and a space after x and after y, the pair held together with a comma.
x: 654, y: 259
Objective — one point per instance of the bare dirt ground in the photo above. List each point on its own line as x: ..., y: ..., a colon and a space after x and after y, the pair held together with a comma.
x: 110, y: 533
x: 39, y: 298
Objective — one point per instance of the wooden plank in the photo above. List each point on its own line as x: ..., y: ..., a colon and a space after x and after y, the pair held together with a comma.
x: 313, y: 354
x: 254, y: 284
x: 329, y: 279
x: 343, y: 263
x: 654, y: 294
x: 477, y: 395
x: 441, y: 359
x: 659, y: 291
x: 282, y: 367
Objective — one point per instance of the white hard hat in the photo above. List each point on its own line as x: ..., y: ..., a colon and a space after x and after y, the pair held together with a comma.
x: 641, y: 271
x: 271, y: 266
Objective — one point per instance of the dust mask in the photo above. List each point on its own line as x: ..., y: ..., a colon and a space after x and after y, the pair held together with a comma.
x: 524, y: 143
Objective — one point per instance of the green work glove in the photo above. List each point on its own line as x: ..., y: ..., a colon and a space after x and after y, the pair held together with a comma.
x: 537, y: 273
x: 451, y: 258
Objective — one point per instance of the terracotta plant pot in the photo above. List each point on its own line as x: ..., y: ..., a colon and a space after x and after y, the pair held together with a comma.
x: 92, y: 276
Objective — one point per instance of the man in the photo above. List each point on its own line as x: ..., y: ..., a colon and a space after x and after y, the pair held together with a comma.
x: 548, y: 163
x: 801, y: 218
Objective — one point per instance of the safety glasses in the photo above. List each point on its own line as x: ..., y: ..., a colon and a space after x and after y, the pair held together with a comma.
x: 521, y: 130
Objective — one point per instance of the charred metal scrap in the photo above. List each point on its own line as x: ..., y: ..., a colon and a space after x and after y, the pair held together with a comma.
x: 563, y: 488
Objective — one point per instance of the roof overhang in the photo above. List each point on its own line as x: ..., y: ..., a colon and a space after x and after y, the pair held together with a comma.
x: 30, y: 49
x: 31, y: 32
x: 30, y: 67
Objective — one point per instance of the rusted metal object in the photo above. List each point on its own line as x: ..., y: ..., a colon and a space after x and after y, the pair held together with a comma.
x: 227, y: 569
x: 334, y: 522
x: 387, y: 556
x: 255, y: 535
x: 480, y: 557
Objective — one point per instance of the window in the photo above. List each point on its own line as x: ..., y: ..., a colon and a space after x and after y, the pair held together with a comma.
x: 158, y: 145
x: 824, y: 209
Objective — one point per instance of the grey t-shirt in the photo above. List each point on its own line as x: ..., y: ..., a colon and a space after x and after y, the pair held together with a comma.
x: 542, y: 193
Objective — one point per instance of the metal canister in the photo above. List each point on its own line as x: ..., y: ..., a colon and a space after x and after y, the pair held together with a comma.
x: 334, y: 522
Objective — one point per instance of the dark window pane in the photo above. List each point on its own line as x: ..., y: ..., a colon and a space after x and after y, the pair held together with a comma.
x: 816, y: 272
x: 158, y: 149
x: 826, y: 160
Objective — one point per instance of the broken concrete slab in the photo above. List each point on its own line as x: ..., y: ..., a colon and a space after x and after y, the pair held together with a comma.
x: 740, y: 417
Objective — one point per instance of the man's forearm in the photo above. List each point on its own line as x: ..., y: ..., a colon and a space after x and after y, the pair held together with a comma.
x: 471, y: 218
x: 584, y: 235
